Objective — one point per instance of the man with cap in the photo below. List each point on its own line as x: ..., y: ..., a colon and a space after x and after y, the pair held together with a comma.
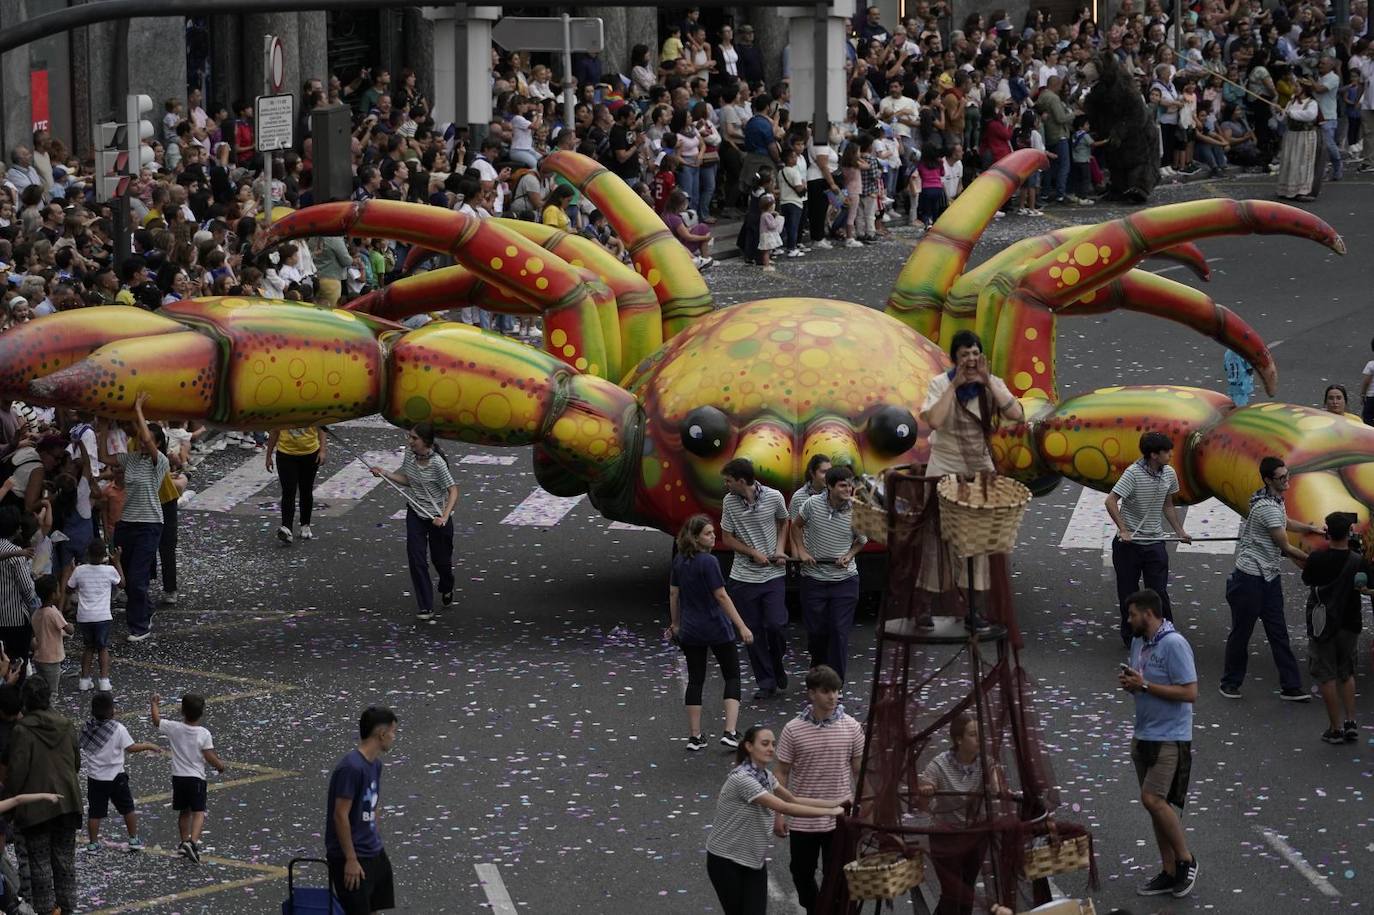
x: 750, y: 65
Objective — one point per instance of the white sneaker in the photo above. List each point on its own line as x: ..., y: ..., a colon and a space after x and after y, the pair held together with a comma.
x: 824, y: 244
x: 307, y: 533
x: 1023, y: 211
x: 284, y: 534
x: 853, y: 243
x: 85, y: 684
x: 795, y: 252
x: 104, y: 684
x: 998, y: 214
x: 169, y: 598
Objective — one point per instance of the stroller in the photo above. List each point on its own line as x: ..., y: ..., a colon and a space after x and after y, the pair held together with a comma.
x: 308, y: 900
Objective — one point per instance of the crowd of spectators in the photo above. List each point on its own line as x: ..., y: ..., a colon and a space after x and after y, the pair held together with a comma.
x: 692, y: 124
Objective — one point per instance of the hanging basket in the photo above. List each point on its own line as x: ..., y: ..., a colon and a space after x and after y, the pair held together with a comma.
x: 983, y: 515
x: 883, y: 876
x: 1046, y: 857
x: 870, y: 520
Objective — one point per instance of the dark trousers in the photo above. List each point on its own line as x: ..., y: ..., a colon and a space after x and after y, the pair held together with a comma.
x: 741, y: 890
x: 828, y: 609
x: 763, y: 607
x: 1254, y: 599
x: 425, y: 543
x: 807, y: 849
x: 51, y: 850
x: 958, y: 859
x: 167, y: 547
x: 18, y: 641
x: 727, y: 656
x: 1136, y: 562
x: 1059, y: 171
x: 138, y: 543
x: 816, y: 206
x: 296, y: 472
x: 791, y: 225
x: 1367, y: 411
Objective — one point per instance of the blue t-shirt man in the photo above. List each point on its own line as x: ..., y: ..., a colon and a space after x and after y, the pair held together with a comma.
x: 758, y: 135
x: 1166, y: 659
x: 358, y: 780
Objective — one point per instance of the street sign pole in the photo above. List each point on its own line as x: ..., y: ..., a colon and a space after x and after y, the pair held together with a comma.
x: 568, y: 88
x: 269, y: 43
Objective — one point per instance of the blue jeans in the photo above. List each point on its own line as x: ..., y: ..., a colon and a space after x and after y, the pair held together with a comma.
x: 1211, y: 156
x: 526, y: 157
x: 706, y: 189
x: 828, y: 609
x: 1252, y: 600
x: 426, y: 543
x: 763, y: 607
x: 689, y: 181
x: 138, y: 543
x: 1059, y: 170
x: 1333, y: 152
x: 791, y: 225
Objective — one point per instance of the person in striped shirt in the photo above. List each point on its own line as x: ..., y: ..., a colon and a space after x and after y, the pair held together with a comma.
x: 827, y: 545
x: 753, y: 520
x: 737, y: 849
x: 816, y: 469
x: 818, y: 756
x: 1139, y: 504
x: 429, y: 536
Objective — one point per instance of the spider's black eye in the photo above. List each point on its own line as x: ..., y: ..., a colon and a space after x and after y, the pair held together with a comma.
x: 705, y: 431
x: 892, y: 430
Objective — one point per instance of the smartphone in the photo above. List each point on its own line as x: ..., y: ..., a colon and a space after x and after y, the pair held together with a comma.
x: 1126, y: 668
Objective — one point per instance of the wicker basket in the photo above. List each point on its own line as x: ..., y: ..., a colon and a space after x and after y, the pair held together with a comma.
x: 883, y: 876
x: 981, y: 516
x: 870, y: 520
x: 1046, y: 857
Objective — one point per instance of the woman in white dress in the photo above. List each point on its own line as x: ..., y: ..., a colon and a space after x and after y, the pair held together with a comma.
x: 1302, y: 155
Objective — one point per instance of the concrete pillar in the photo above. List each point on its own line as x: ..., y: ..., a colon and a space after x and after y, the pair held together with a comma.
x: 615, y: 58
x: 641, y: 27
x: 152, y: 71
x: 312, y: 47
x: 418, y: 53
x: 16, y: 127
x: 226, y: 61
x: 285, y: 26
x: 806, y: 74
x: 771, y: 36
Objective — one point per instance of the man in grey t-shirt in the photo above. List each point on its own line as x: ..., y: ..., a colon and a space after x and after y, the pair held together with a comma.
x: 1139, y: 504
x: 753, y: 518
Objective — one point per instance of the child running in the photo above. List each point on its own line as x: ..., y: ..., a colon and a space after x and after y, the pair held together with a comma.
x: 103, y: 744
x: 94, y: 584
x: 192, y: 748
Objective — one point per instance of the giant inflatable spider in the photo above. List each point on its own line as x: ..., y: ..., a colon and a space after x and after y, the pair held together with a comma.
x: 643, y: 390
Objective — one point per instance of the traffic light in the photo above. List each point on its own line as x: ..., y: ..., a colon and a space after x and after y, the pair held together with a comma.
x: 138, y: 130
x: 111, y: 162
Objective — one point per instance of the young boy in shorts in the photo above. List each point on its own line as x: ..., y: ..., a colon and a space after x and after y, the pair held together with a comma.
x: 94, y: 584
x: 103, y: 743
x: 192, y: 748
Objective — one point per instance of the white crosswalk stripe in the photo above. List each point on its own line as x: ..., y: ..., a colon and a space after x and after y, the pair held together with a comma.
x: 243, y: 482
x: 1091, y: 528
x: 1211, y: 519
x: 355, y: 480
x: 540, y: 509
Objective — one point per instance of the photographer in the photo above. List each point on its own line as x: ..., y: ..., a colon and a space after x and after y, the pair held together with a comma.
x: 1337, y: 574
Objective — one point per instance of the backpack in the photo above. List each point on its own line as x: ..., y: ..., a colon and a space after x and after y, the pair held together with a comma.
x: 8, y: 467
x: 1324, y: 611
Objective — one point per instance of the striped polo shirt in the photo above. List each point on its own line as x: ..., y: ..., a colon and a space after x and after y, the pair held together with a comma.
x: 1142, y: 496
x: 428, y: 480
x: 1257, y: 553
x: 959, y: 789
x: 828, y: 533
x: 754, y: 524
x: 742, y: 830
x: 142, y: 481
x: 818, y: 754
x: 799, y: 499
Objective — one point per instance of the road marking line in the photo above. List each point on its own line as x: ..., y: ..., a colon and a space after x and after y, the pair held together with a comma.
x: 1212, y: 519
x: 1295, y: 858
x: 622, y: 526
x: 782, y: 896
x: 374, y: 421
x: 1090, y: 527
x: 208, y: 674
x: 540, y: 509
x: 495, y: 889
x: 354, y: 480
x: 497, y: 460
x: 239, y: 620
x: 184, y: 895
x: 262, y: 774
x: 243, y: 482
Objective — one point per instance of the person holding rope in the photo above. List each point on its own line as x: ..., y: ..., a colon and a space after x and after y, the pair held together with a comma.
x: 961, y: 407
x: 431, y: 495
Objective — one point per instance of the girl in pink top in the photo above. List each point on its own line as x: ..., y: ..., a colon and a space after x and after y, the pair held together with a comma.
x: 930, y: 173
x: 49, y: 626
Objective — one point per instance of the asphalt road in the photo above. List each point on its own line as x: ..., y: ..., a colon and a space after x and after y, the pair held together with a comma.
x: 541, y: 724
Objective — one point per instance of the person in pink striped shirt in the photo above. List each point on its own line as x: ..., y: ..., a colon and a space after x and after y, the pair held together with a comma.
x: 818, y: 756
